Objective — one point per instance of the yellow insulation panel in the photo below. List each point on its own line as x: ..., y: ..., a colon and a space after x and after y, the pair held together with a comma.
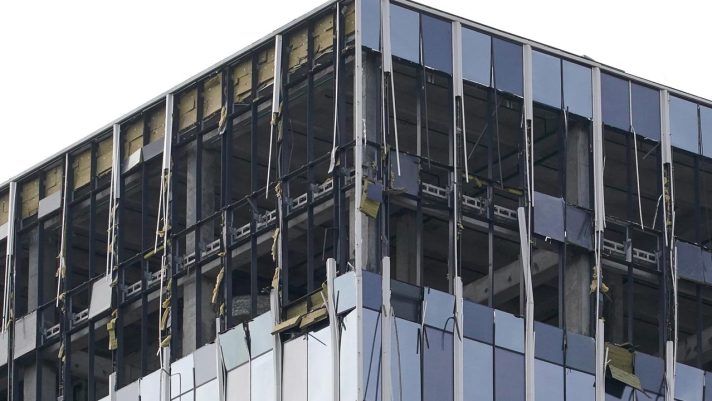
x: 133, y: 138
x: 4, y: 208
x: 212, y: 95
x: 242, y: 81
x: 53, y: 180
x: 156, y: 124
x: 265, y: 67
x: 30, y: 195
x: 350, y: 19
x: 187, y: 109
x: 103, y: 157
x: 323, y: 35
x: 298, y: 49
x: 81, y: 168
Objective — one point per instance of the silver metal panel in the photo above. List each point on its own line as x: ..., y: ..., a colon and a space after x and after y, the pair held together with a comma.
x: 3, y: 348
x: 3, y: 231
x: 238, y: 384
x: 294, y: 373
x: 261, y: 334
x: 319, y: 366
x: 100, y: 297
x: 598, y: 191
x: 207, y: 392
x: 133, y: 161
x: 49, y: 204
x: 128, y: 393
x: 149, y: 386
x: 234, y: 348
x: 25, y: 334
x: 152, y: 150
x: 262, y: 378
x: 334, y: 330
x: 386, y: 328
x: 205, y: 366
x: 182, y: 376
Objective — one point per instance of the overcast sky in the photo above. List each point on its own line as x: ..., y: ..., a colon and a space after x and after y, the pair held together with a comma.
x: 70, y: 67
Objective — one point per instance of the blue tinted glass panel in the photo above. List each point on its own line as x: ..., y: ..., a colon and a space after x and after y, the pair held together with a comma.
x: 509, y: 375
x: 438, y: 366
x: 549, y: 381
x: 549, y: 216
x: 478, y: 371
x: 476, y: 56
x: 689, y: 259
x: 440, y: 309
x: 508, y: 66
x: 688, y: 383
x: 577, y: 89
x: 549, y: 344
x: 683, y: 124
x: 646, y: 111
x: 508, y: 331
x: 372, y: 298
x: 406, y: 300
x: 371, y: 353
x: 406, y: 362
x: 437, y: 43
x: 580, y: 386
x: 371, y: 19
x: 478, y: 322
x: 708, y: 386
x: 615, y: 103
x: 579, y: 228
x: 706, y: 123
x: 651, y: 371
x: 405, y: 33
x: 547, y: 79
x: 580, y: 352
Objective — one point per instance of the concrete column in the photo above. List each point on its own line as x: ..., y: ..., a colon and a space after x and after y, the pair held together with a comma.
x: 48, y: 383
x: 577, y: 293
x: 210, y: 163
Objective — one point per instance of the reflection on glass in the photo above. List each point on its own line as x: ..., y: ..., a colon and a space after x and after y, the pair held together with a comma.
x: 476, y: 56
x: 706, y: 124
x: 509, y: 375
x: 440, y: 308
x: 150, y: 386
x: 508, y: 66
x: 580, y: 352
x: 438, y: 366
x: 406, y: 362
x: 549, y: 381
x: 405, y: 33
x: 615, y: 104
x: 371, y: 353
x: 437, y: 43
x: 371, y: 19
x: 238, y: 384
x: 646, y: 111
x: 651, y: 371
x: 577, y: 89
x: 546, y: 74
x: 683, y: 124
x: 207, y: 392
x: 260, y: 337
x: 478, y: 322
x: 205, y: 367
x: 508, y: 331
x: 294, y: 370
x: 549, y: 343
x: 234, y: 347
x: 348, y: 357
x: 478, y: 370
x: 580, y: 386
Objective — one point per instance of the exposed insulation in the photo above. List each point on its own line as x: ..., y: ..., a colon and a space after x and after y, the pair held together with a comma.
x: 156, y: 124
x: 81, y: 166
x: 103, y: 157
x: 187, y: 109
x: 242, y: 81
x: 133, y: 139
x: 323, y: 35
x: 212, y: 95
x: 53, y: 180
x: 30, y: 195
x: 298, y: 49
x: 4, y: 208
x: 265, y: 67
x: 349, y: 19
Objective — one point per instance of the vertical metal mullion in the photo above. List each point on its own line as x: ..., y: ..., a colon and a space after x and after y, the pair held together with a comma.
x: 144, y: 267
x: 226, y: 195
x: 254, y: 172
x: 310, y: 160
x: 340, y: 205
x: 198, y: 218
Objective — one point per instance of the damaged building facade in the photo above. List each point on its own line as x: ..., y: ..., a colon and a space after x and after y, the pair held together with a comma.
x: 379, y: 201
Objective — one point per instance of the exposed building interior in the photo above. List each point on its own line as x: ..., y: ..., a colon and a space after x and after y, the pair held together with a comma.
x: 379, y: 201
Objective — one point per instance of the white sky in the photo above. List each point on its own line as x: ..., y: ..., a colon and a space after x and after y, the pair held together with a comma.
x: 70, y: 67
